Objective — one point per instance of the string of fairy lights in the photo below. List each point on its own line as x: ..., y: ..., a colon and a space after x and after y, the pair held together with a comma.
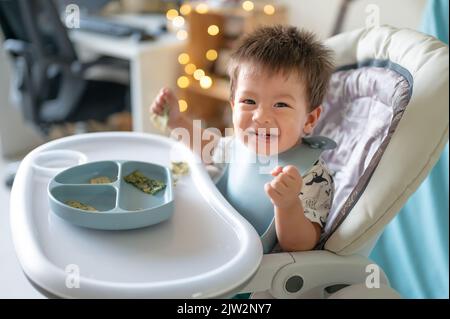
x: 177, y: 18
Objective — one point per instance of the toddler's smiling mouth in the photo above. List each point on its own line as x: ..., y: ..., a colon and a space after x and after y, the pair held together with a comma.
x: 265, y: 134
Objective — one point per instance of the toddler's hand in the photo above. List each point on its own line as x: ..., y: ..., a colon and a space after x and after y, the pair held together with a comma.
x: 285, y: 188
x: 166, y: 101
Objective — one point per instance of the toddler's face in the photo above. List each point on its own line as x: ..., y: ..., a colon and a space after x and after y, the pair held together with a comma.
x: 274, y: 102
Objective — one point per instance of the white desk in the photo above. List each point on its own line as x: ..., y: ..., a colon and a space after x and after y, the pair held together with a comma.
x: 153, y: 64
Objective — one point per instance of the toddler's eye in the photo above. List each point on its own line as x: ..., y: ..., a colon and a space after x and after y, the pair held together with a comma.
x: 281, y: 104
x: 248, y: 101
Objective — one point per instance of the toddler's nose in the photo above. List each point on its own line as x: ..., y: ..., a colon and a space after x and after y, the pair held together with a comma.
x: 262, y: 116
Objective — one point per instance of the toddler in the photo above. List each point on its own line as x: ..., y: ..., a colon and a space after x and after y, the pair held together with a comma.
x: 279, y: 77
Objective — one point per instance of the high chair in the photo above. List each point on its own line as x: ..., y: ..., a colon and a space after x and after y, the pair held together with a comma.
x: 387, y: 109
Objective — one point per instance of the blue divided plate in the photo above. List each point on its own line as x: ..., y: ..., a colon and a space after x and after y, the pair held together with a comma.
x: 119, y: 204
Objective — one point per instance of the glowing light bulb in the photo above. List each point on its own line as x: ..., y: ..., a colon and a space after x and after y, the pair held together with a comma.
x: 211, y: 55
x: 182, y: 105
x: 182, y: 35
x: 206, y: 82
x: 198, y: 74
x: 185, y: 9
x: 183, y: 82
x: 269, y: 9
x: 213, y: 30
x: 171, y: 14
x: 178, y: 22
x: 202, y: 8
x: 183, y: 58
x: 248, y: 5
x: 190, y: 68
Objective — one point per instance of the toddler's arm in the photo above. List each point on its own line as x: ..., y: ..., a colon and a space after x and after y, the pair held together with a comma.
x: 295, y: 232
x: 177, y: 119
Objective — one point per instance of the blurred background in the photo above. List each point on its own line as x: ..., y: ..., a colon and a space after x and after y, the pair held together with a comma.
x: 70, y: 67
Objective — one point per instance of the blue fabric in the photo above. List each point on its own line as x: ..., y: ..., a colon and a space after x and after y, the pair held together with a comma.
x: 413, y: 250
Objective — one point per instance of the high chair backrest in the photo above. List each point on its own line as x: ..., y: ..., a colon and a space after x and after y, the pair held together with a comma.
x: 387, y: 108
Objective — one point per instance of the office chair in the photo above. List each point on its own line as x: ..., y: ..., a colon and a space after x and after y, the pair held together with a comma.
x: 49, y: 79
x: 49, y: 82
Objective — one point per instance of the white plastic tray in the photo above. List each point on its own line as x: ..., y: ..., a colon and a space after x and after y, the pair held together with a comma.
x: 205, y: 250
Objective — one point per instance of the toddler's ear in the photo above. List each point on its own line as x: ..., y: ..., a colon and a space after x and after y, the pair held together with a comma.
x: 232, y: 103
x: 311, y: 120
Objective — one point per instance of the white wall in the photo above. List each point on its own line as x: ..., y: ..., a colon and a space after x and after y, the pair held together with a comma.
x: 319, y: 15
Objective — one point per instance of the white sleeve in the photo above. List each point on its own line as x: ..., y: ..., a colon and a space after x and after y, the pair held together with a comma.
x: 317, y: 193
x: 220, y: 158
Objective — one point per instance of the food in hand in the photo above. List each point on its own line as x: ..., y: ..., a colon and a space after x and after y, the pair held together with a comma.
x: 161, y: 121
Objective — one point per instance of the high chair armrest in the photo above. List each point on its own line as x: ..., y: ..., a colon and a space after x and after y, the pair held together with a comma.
x: 313, y: 274
x: 267, y: 271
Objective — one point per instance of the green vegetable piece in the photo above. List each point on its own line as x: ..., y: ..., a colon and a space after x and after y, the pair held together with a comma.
x: 100, y: 180
x: 145, y: 184
x: 75, y: 204
x: 180, y: 168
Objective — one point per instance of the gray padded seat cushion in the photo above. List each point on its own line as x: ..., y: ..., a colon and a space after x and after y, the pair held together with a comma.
x: 361, y: 112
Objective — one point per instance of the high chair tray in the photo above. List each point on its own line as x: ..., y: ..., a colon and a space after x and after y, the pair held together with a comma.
x: 206, y: 249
